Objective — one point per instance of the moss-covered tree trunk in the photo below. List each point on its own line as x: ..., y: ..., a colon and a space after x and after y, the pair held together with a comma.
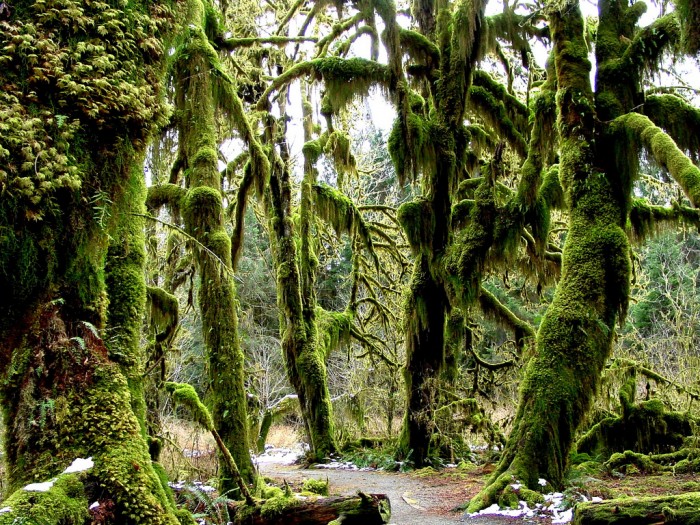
x: 575, y: 337
x: 203, y: 214
x: 296, y: 270
x: 77, y: 108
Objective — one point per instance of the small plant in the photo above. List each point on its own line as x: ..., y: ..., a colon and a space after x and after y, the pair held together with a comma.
x: 207, y: 505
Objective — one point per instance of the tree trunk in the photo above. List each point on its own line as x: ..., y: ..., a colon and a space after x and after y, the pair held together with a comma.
x: 575, y: 337
x: 203, y: 214
x: 424, y: 359
x: 77, y: 109
x: 363, y: 509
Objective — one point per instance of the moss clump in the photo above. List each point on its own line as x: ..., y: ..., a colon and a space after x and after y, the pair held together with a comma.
x: 276, y: 506
x: 64, y: 503
x: 316, y: 486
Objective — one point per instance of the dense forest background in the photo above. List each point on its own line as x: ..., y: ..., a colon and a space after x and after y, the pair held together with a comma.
x: 399, y: 233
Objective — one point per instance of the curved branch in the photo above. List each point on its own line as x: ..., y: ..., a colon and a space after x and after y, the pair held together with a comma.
x: 352, y: 76
x: 663, y: 149
x: 495, y: 309
x: 646, y: 219
x: 678, y: 118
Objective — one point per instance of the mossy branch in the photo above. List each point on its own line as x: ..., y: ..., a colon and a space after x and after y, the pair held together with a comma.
x: 663, y: 150
x: 185, y: 395
x: 419, y: 46
x: 516, y: 110
x: 650, y: 43
x: 346, y: 77
x: 241, y: 204
x: 495, y: 309
x: 230, y: 44
x: 495, y: 115
x: 678, y: 118
x: 624, y: 363
x: 646, y: 219
x: 169, y: 195
x: 336, y: 31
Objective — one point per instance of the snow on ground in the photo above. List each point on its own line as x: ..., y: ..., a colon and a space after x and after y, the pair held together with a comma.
x: 556, y: 506
x: 281, y: 456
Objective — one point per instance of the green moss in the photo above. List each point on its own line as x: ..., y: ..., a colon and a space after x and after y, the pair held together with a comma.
x: 316, y: 486
x: 184, y: 394
x: 64, y: 503
x: 276, y: 506
x: 663, y: 150
x: 414, y: 217
x: 682, y: 508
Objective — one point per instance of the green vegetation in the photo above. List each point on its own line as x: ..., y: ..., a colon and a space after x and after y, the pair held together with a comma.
x: 296, y: 257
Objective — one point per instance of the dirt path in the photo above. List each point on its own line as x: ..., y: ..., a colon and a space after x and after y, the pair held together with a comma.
x: 414, y: 500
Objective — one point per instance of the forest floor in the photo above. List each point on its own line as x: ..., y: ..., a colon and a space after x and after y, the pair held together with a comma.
x: 429, y: 497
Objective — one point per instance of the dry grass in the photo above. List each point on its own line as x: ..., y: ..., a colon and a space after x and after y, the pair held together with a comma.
x: 284, y: 436
x: 189, y: 452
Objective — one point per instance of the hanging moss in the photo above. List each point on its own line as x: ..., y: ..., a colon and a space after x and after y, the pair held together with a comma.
x: 414, y: 217
x: 688, y: 14
x: 494, y: 113
x: 341, y: 213
x: 164, y: 312
x: 333, y: 328
x: 517, y: 112
x: 344, y: 79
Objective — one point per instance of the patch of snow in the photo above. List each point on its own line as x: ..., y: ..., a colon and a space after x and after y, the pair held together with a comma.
x: 280, y: 456
x: 5, y: 509
x: 94, y: 505
x: 516, y: 485
x: 542, y: 482
x: 40, y: 487
x: 80, y: 465
x: 564, y: 517
x: 194, y: 485
x: 555, y: 507
x: 596, y: 499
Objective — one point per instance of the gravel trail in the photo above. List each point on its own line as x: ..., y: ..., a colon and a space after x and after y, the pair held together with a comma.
x: 414, y: 500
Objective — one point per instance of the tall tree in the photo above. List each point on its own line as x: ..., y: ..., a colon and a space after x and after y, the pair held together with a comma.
x: 203, y: 88
x: 81, y: 94
x: 600, y: 138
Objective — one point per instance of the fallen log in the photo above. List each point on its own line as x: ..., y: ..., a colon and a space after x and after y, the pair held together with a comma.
x: 681, y: 509
x: 362, y: 509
